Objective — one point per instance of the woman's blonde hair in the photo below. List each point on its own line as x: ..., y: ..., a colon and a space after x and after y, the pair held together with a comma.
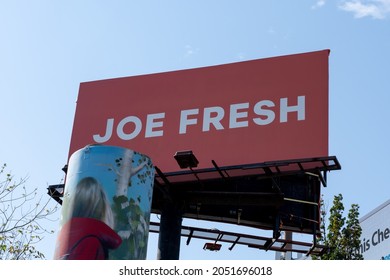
x: 89, y: 200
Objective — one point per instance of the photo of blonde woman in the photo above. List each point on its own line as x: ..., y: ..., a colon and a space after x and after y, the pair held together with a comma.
x: 87, y: 231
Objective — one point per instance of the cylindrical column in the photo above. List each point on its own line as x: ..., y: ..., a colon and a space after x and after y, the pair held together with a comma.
x: 106, y: 206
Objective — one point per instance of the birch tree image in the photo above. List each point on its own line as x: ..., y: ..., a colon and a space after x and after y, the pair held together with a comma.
x: 126, y: 171
x: 131, y: 222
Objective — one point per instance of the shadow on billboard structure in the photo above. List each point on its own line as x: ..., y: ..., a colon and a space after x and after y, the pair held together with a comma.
x: 243, y: 143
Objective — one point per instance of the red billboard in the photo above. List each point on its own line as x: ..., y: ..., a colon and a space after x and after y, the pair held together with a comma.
x: 239, y: 113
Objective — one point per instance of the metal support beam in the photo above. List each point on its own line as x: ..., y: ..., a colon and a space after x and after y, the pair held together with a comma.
x: 170, y: 232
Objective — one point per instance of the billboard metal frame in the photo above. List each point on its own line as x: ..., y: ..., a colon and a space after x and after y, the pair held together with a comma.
x: 309, y: 167
x: 252, y: 241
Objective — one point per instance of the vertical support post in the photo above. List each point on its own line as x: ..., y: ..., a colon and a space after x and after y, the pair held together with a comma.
x: 288, y: 235
x: 315, y: 218
x: 276, y: 231
x: 170, y: 232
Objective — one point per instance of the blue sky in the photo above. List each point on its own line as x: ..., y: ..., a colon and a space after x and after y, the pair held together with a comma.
x: 49, y: 47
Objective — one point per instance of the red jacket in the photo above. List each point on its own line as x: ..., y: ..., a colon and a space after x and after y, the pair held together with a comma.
x: 85, y: 239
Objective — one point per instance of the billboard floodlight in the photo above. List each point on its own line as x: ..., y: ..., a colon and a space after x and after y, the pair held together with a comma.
x: 186, y: 159
x: 212, y: 246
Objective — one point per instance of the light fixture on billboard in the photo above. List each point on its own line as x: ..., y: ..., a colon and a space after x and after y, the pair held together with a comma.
x: 212, y: 246
x: 56, y: 192
x: 186, y: 159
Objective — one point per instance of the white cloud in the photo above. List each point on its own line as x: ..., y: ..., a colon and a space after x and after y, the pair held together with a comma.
x: 271, y: 30
x: 378, y: 9
x: 241, y: 56
x: 190, y: 50
x: 318, y: 4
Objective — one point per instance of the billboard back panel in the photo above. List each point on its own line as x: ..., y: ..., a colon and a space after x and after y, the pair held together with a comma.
x: 239, y: 113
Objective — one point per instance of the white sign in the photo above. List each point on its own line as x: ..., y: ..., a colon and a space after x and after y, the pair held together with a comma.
x: 375, y: 238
